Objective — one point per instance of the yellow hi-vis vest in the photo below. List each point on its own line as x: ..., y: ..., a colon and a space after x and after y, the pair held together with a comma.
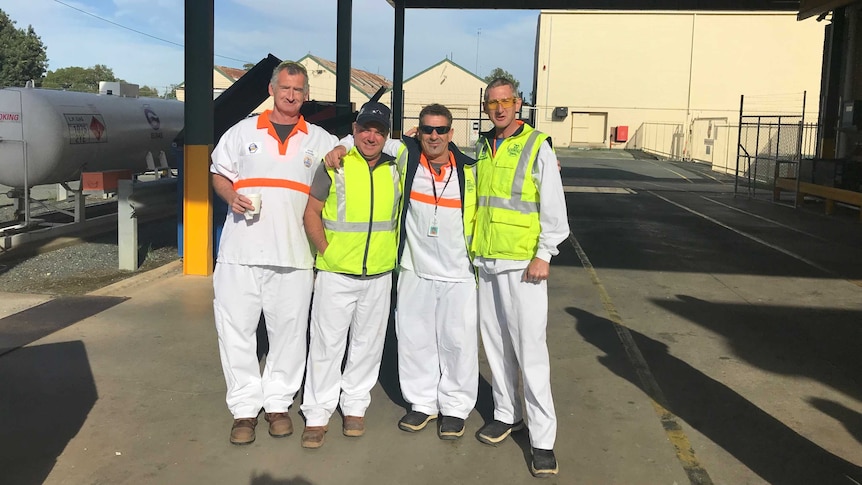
x: 360, y: 216
x: 507, y: 215
x: 469, y: 210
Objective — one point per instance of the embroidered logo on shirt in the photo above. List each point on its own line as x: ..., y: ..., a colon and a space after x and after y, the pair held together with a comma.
x: 252, y: 147
x: 309, y: 158
x: 514, y: 149
x: 469, y: 186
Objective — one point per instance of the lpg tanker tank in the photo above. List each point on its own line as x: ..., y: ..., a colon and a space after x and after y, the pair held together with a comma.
x: 58, y: 134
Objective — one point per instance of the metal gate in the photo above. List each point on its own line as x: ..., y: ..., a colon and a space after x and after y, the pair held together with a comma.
x: 771, y: 145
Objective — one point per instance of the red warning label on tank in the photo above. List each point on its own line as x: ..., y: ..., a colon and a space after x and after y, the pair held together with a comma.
x: 86, y: 128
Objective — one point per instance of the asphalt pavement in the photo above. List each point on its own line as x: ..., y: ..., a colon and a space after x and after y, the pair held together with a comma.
x: 696, y: 336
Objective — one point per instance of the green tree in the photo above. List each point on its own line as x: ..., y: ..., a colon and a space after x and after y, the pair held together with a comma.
x: 148, y: 92
x: 247, y: 66
x: 83, y: 79
x: 500, y: 72
x: 171, y: 91
x: 22, y: 54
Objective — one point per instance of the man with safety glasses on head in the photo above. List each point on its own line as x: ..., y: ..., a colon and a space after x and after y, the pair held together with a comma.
x: 436, y: 313
x: 520, y: 219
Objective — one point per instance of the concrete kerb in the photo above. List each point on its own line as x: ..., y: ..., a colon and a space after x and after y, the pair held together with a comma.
x: 119, y: 288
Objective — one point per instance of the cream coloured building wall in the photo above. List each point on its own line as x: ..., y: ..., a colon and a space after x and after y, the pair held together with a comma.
x: 453, y: 86
x: 631, y: 68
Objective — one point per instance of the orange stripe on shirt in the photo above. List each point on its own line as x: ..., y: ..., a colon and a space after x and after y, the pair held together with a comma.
x: 264, y: 182
x: 429, y: 199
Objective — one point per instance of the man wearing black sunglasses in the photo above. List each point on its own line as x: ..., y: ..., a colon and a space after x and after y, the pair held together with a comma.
x: 436, y: 313
x: 520, y: 220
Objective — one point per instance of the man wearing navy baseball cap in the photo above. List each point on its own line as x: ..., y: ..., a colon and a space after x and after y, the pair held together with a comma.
x: 374, y: 113
x: 352, y: 219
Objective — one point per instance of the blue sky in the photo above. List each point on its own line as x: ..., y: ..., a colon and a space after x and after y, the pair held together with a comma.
x: 248, y: 30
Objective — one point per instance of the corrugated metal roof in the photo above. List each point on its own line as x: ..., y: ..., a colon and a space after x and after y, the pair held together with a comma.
x: 365, y: 81
x: 234, y: 73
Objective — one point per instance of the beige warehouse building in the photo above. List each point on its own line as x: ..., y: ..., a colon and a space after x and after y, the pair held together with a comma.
x: 660, y: 73
x: 453, y: 86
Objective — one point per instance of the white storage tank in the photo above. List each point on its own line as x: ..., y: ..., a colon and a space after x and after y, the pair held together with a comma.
x: 59, y: 134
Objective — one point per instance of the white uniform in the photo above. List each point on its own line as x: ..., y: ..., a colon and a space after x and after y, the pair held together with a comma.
x: 523, y: 307
x: 346, y: 306
x: 436, y: 316
x: 265, y: 264
x: 349, y: 305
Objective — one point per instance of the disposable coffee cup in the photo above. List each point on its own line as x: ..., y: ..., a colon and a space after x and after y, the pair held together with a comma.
x: 255, y: 201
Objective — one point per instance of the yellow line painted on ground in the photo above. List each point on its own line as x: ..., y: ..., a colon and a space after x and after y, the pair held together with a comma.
x: 697, y: 475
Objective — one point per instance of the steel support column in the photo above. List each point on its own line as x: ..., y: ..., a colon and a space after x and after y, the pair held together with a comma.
x: 197, y: 202
x: 398, y: 72
x: 342, y: 61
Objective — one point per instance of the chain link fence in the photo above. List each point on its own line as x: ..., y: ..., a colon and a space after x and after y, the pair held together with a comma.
x: 467, y: 122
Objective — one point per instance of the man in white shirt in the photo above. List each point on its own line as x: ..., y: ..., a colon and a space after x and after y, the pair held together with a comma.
x: 265, y: 262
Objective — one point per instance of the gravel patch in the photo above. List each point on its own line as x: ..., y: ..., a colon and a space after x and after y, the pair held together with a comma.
x: 89, y: 265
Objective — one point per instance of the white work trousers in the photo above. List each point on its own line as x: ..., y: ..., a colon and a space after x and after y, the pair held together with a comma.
x: 283, y: 295
x: 513, y: 316
x: 343, y: 308
x: 438, y: 344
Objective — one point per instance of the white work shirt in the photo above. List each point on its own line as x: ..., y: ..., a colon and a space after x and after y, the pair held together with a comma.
x: 441, y: 254
x: 251, y: 155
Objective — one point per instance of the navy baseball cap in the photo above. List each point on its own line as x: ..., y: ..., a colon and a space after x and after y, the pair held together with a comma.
x: 372, y: 112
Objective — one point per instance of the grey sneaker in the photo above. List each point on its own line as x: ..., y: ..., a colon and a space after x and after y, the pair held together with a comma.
x: 544, y: 463
x: 496, y: 431
x: 415, y: 421
x: 451, y: 428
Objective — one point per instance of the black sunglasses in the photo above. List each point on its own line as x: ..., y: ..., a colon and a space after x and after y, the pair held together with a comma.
x: 441, y: 130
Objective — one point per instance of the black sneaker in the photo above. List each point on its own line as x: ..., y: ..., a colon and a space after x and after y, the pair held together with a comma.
x: 544, y: 463
x: 451, y: 428
x: 415, y: 421
x: 496, y: 431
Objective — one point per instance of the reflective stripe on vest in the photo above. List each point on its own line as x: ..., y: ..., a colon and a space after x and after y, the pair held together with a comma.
x: 514, y: 203
x: 469, y: 207
x: 341, y: 224
x: 362, y: 236
x: 507, y: 220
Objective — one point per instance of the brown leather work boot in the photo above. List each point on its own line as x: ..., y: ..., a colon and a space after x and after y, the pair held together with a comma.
x: 354, y: 426
x: 280, y: 424
x: 242, y: 432
x: 312, y: 437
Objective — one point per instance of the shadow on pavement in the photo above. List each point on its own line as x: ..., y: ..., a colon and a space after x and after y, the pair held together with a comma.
x: 266, y: 479
x: 53, y: 393
x: 819, y: 343
x: 768, y: 447
x: 29, y: 325
x: 851, y: 420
